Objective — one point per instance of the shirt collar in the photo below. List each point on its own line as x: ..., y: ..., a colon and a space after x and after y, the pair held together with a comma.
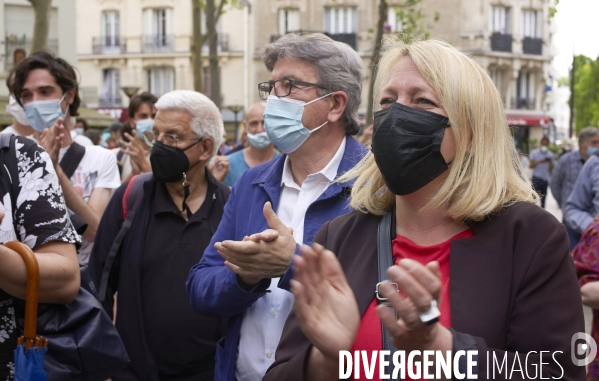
x: 329, y: 171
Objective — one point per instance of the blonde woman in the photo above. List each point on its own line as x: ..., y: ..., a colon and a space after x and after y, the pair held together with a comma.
x: 466, y: 234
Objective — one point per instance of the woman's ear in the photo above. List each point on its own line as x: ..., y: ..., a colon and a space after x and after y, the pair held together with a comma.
x: 338, y: 104
x: 70, y: 97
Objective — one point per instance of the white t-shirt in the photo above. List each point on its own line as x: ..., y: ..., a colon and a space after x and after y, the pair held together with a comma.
x: 82, y: 140
x: 79, y: 139
x: 97, y: 169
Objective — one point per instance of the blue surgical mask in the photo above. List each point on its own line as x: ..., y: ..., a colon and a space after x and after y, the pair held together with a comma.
x: 79, y: 131
x: 43, y: 114
x: 592, y: 150
x: 141, y: 126
x: 259, y: 140
x: 283, y: 122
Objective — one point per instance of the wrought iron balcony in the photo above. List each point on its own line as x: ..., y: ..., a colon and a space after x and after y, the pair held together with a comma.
x: 349, y: 38
x: 158, y: 43
x: 111, y: 101
x: 109, y: 45
x: 501, y: 42
x: 523, y: 103
x: 532, y: 45
x: 18, y: 48
x: 222, y: 43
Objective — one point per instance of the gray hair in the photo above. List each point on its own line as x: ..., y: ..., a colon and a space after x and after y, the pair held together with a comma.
x: 207, y: 120
x: 586, y: 133
x: 338, y: 67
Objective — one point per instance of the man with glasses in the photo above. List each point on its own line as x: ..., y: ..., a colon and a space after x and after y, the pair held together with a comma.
x: 311, y: 110
x: 177, y: 210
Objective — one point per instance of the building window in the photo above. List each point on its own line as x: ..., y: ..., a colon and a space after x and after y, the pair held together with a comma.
x: 158, y: 34
x: 525, y: 86
x: 393, y: 23
x: 289, y: 21
x: 111, y: 85
x: 340, y: 20
x: 110, y: 29
x: 497, y: 78
x: 531, y: 27
x: 500, y: 20
x: 161, y: 80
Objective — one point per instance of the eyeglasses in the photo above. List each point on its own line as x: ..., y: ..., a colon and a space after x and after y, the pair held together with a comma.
x: 168, y: 139
x: 282, y: 87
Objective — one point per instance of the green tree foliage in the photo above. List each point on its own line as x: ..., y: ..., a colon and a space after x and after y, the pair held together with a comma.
x: 586, y: 92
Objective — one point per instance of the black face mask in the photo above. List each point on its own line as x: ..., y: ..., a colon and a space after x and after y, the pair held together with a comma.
x: 169, y: 163
x: 406, y: 144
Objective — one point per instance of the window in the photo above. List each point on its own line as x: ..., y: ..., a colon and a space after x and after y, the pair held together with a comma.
x: 110, y: 40
x: 340, y: 20
x: 393, y: 23
x: 531, y: 27
x: 161, y: 80
x: 111, y: 85
x: 289, y: 21
x: 497, y: 77
x: 158, y: 29
x: 525, y: 86
x: 500, y: 20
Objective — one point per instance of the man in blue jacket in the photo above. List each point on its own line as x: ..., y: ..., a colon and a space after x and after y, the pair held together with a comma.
x: 311, y: 110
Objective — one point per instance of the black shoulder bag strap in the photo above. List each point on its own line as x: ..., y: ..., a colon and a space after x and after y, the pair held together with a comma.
x: 132, y: 199
x: 385, y: 260
x: 71, y: 159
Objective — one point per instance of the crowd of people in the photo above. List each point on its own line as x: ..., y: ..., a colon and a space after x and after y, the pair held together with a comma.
x: 261, y: 260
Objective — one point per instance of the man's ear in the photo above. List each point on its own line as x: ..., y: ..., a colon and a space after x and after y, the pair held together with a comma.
x: 70, y: 97
x: 338, y: 104
x: 207, y: 148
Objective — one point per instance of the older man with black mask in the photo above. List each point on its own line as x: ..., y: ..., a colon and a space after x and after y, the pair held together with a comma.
x: 311, y: 111
x: 177, y: 209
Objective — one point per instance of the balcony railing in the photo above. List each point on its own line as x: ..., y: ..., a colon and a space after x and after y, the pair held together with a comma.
x: 18, y: 48
x: 532, y: 45
x: 523, y: 103
x: 222, y: 43
x: 349, y: 38
x: 158, y: 43
x: 109, y: 45
x: 501, y: 42
x: 110, y: 101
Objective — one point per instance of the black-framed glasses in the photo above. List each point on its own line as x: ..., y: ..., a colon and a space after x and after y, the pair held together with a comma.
x: 170, y: 140
x: 282, y: 87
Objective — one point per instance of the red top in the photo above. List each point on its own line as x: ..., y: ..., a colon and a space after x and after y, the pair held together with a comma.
x: 370, y: 334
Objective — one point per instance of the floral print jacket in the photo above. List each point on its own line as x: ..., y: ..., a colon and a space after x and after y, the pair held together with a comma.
x: 38, y: 214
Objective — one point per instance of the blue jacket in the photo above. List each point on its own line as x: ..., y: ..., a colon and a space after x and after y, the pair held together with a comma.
x: 583, y: 204
x: 213, y: 288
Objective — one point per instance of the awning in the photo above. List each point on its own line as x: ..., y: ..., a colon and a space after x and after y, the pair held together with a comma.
x: 527, y: 120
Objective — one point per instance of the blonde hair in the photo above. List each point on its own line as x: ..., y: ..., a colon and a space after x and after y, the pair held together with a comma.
x: 486, y: 174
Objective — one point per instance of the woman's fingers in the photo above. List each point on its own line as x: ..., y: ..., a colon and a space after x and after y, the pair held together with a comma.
x: 331, y: 270
x: 402, y: 306
x: 300, y: 275
x: 412, y: 288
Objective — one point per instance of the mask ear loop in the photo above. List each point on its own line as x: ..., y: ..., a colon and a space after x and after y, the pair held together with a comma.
x: 185, y: 196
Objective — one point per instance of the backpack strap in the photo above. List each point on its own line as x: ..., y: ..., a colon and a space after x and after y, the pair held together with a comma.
x: 131, y: 201
x: 119, y: 161
x: 71, y: 159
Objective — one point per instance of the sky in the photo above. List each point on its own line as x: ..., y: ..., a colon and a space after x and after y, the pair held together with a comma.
x: 577, y: 26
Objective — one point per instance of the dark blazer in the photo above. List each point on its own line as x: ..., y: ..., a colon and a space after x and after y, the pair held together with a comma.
x: 512, y: 287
